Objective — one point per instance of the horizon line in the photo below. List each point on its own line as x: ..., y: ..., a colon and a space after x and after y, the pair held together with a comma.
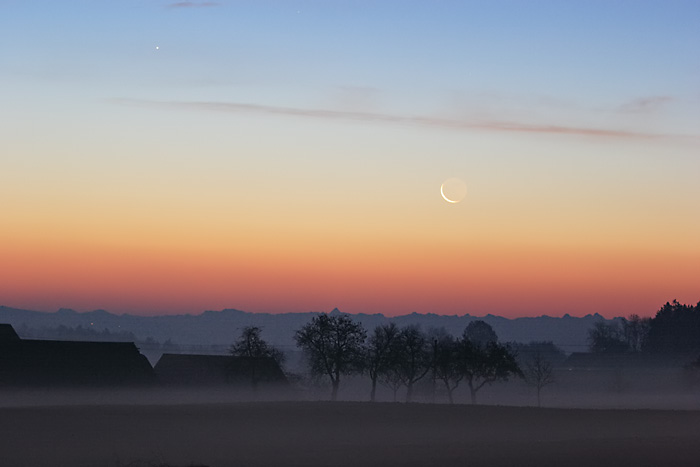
x: 465, y: 315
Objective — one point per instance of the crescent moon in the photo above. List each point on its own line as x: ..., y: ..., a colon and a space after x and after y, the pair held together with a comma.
x: 442, y: 193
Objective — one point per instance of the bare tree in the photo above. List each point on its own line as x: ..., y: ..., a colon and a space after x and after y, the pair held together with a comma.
x: 411, y: 359
x: 606, y: 338
x: 251, y: 344
x: 446, y: 366
x: 392, y: 379
x: 378, y: 357
x: 486, y: 365
x: 334, y: 346
x: 635, y: 330
x: 252, y: 347
x: 539, y: 373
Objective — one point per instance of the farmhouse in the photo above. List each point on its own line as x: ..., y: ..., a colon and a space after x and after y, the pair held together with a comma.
x: 29, y: 362
x: 208, y: 370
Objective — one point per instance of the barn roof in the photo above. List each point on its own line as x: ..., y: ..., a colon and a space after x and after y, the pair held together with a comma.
x: 7, y: 333
x: 217, y: 369
x: 50, y: 362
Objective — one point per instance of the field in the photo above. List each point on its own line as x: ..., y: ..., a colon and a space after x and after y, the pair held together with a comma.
x: 343, y: 434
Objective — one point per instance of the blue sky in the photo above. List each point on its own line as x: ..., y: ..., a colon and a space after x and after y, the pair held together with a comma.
x: 273, y: 127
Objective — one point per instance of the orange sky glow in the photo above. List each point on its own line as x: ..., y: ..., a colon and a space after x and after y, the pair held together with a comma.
x: 197, y: 164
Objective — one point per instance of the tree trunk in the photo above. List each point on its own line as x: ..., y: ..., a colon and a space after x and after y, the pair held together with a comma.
x: 409, y: 392
x: 449, y: 390
x: 472, y: 392
x: 334, y: 393
x: 539, y: 404
x: 373, y: 393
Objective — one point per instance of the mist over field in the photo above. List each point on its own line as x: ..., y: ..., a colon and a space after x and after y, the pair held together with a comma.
x: 613, y: 405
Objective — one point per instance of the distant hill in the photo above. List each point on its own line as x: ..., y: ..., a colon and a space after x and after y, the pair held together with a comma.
x: 221, y: 328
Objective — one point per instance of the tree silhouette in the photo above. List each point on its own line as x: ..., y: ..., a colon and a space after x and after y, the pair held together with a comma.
x: 485, y: 365
x: 480, y: 333
x: 378, y: 356
x: 606, y: 338
x: 636, y: 331
x: 675, y: 329
x: 411, y: 357
x: 334, y: 346
x: 252, y: 347
x: 446, y: 363
x: 391, y: 378
x: 251, y: 344
x: 539, y: 373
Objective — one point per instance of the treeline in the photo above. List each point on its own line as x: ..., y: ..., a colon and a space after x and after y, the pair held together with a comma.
x: 674, y: 330
x: 336, y: 346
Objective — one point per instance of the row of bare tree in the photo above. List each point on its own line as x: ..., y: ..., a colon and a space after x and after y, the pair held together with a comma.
x: 336, y: 346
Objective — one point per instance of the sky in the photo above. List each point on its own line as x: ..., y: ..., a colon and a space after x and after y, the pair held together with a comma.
x: 287, y: 156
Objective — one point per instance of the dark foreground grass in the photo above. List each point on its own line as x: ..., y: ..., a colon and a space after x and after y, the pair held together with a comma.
x: 344, y: 434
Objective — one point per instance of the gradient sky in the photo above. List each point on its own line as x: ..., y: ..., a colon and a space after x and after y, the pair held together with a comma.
x: 284, y: 156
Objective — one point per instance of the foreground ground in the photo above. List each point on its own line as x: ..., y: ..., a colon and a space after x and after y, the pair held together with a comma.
x: 344, y: 434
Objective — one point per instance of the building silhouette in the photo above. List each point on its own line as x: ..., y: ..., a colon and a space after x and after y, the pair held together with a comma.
x: 208, y: 370
x: 48, y: 363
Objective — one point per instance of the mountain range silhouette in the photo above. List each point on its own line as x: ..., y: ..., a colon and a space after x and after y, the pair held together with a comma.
x: 223, y: 327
